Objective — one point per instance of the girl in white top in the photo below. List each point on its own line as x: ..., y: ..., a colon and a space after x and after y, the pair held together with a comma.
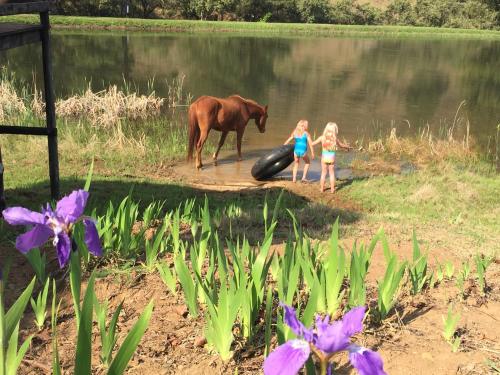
x: 329, y: 142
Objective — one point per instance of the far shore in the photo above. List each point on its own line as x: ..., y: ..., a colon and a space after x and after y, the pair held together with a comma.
x: 137, y: 24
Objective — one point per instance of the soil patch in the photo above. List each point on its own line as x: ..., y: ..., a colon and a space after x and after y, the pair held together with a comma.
x: 410, y: 341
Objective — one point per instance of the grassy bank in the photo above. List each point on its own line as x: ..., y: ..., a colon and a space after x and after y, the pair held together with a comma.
x: 133, y: 146
x: 73, y: 22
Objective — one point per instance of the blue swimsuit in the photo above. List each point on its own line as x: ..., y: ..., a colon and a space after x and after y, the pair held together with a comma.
x: 300, y: 148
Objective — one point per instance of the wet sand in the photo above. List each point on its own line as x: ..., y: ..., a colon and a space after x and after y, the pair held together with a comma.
x: 230, y: 172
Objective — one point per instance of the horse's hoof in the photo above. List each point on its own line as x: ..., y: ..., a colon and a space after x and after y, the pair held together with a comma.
x: 240, y: 159
x: 215, y: 162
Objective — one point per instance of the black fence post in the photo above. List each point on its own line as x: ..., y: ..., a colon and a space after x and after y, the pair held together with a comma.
x: 50, y: 110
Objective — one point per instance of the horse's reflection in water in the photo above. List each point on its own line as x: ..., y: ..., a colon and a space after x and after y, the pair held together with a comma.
x: 224, y: 115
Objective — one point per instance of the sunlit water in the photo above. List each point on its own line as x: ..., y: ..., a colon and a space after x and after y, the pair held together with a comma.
x: 366, y: 85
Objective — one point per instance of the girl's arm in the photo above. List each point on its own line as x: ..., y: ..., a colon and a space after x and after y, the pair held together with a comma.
x: 343, y: 145
x: 288, y: 140
x: 311, y: 145
x: 320, y: 138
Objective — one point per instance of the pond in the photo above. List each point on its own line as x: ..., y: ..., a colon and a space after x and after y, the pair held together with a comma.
x: 366, y: 85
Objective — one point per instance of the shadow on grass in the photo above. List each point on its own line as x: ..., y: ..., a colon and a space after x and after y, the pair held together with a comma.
x: 316, y: 218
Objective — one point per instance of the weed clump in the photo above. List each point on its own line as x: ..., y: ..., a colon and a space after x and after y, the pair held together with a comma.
x: 106, y: 108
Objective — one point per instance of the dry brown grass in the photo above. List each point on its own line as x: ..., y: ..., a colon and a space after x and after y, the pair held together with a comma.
x: 426, y: 147
x: 11, y: 104
x: 105, y: 108
x: 108, y: 107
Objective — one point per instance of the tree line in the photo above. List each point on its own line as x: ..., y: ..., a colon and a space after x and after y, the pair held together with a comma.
x: 484, y: 14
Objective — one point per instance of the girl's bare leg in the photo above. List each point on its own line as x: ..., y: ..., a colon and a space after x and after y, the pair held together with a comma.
x: 331, y: 172
x: 323, y: 177
x: 295, y: 168
x: 306, y: 167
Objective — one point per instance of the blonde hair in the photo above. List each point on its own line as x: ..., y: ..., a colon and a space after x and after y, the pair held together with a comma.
x: 301, y: 127
x: 330, y: 136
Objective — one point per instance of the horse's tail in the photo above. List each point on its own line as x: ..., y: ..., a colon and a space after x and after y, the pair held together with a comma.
x: 194, y: 131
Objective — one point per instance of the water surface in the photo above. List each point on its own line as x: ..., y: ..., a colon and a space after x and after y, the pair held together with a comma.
x: 366, y: 85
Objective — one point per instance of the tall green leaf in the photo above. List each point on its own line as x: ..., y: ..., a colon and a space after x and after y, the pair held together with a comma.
x: 75, y: 282
x: 16, y: 311
x: 83, y: 358
x: 13, y: 356
x: 56, y: 364
x: 127, y: 349
x: 188, y: 285
x: 88, y: 180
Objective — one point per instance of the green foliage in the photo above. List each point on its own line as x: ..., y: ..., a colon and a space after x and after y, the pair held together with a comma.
x: 189, y: 287
x: 450, y: 328
x: 449, y: 13
x: 334, y: 272
x: 221, y: 317
x: 129, y: 345
x: 108, y: 336
x: 462, y: 277
x: 168, y: 277
x: 439, y: 273
x: 482, y: 263
x: 400, y: 12
x: 116, y: 228
x: 10, y: 356
x: 83, y: 357
x: 75, y: 282
x: 351, y: 12
x: 39, y: 305
x: 155, y: 246
x: 315, y: 11
x: 389, y: 287
x: 16, y: 311
x: 360, y: 261
x: 449, y: 269
x: 56, y: 364
x: 443, y: 13
x: 38, y: 261
x: 13, y: 356
x: 268, y: 319
x: 418, y: 269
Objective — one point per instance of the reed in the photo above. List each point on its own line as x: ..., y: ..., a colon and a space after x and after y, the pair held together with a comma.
x: 104, y: 109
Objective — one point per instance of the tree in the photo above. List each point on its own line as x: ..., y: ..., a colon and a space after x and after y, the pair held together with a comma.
x: 315, y: 11
x: 147, y: 7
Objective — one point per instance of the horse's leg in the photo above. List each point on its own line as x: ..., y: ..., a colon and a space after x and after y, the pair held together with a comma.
x: 199, y: 147
x: 239, y: 137
x: 221, y: 142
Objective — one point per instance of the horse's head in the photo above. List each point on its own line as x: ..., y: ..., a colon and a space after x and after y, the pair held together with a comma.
x: 260, y: 121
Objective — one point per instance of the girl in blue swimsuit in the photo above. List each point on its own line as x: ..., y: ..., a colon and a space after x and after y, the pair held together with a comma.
x: 329, y: 142
x: 302, y: 140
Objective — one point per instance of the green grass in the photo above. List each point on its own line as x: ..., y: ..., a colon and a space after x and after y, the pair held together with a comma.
x: 254, y: 27
x: 446, y: 202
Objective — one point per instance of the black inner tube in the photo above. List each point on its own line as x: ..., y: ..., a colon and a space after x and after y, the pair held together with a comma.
x: 274, y: 162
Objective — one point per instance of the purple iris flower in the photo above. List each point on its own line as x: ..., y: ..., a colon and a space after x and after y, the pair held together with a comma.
x: 56, y: 223
x: 324, y: 341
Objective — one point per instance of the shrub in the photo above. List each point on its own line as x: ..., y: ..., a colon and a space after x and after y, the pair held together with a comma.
x: 473, y: 14
x: 349, y: 12
x: 315, y: 11
x: 400, y: 12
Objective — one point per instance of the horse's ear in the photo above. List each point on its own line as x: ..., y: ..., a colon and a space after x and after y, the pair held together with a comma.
x: 265, y: 108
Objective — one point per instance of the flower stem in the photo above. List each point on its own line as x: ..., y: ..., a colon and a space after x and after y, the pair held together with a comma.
x: 323, y: 367
x: 3, y: 338
x: 75, y: 280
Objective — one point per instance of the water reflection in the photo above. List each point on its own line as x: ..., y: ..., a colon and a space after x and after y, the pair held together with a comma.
x: 363, y: 84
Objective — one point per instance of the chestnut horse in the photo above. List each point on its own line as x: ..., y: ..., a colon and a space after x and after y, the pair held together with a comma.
x: 224, y: 115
